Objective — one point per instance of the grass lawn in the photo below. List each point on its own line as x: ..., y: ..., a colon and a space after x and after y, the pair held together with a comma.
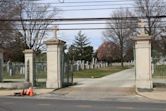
x: 97, y: 73
x: 41, y: 75
x: 16, y: 76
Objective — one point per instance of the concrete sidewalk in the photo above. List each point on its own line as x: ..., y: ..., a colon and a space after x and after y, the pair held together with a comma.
x: 159, y: 90
x: 9, y: 92
x: 157, y: 94
x: 120, y: 84
x: 154, y: 95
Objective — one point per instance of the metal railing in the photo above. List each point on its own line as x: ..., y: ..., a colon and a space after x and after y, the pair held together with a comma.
x: 159, y: 68
x: 68, y: 75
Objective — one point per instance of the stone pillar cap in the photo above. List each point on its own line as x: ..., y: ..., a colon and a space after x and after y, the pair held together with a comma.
x: 55, y: 42
x: 28, y: 51
x: 142, y: 38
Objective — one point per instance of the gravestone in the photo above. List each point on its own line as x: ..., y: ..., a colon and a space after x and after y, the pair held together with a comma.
x: 92, y: 65
x: 78, y: 65
x: 82, y: 65
x: 10, y: 68
x: 87, y: 65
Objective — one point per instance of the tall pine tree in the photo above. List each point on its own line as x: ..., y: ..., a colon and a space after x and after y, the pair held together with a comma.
x: 80, y: 49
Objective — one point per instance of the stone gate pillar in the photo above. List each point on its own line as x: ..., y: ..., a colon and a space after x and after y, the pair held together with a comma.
x: 143, y: 60
x: 55, y: 63
x: 29, y: 66
x: 1, y: 65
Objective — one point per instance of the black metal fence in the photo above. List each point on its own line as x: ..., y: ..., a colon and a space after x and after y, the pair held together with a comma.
x: 68, y: 75
x: 159, y: 68
x: 13, y: 70
x: 40, y: 73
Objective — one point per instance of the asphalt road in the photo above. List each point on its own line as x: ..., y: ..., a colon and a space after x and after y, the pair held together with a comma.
x: 22, y: 104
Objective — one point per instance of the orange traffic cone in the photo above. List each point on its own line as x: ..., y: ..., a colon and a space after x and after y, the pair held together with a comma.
x: 23, y: 92
x: 27, y: 92
x: 31, y: 93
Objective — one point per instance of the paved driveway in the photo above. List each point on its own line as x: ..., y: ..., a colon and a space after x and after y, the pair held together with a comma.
x: 118, y: 84
x: 124, y: 78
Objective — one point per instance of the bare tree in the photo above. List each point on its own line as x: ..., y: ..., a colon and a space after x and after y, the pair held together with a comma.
x: 7, y: 32
x: 120, y: 30
x: 148, y: 8
x: 34, y: 32
x: 10, y: 39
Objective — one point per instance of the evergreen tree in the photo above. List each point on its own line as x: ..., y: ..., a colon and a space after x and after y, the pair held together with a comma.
x: 80, y: 49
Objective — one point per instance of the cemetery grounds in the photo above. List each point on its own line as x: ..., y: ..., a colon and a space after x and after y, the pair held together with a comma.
x: 16, y: 72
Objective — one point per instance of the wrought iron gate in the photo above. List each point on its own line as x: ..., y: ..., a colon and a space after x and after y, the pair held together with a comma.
x: 68, y: 74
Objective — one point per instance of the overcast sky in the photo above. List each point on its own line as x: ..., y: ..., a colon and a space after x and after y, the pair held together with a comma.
x: 72, y: 10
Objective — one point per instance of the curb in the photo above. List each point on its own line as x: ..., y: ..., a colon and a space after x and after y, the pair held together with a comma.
x: 139, y: 94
